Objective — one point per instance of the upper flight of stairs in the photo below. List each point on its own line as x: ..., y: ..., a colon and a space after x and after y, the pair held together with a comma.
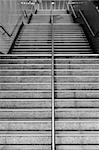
x: 68, y: 38
x: 36, y: 37
x: 26, y: 94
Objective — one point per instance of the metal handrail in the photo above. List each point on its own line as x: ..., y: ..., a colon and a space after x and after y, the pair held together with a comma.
x: 86, y: 23
x: 5, y: 31
x: 25, y: 14
x: 52, y: 86
x: 73, y: 11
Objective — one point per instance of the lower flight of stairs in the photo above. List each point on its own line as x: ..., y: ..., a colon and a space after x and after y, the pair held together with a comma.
x: 25, y: 102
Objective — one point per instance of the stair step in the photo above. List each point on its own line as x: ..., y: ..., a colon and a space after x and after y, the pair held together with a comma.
x: 44, y: 60
x: 84, y: 52
x: 55, y: 43
x: 41, y: 125
x: 44, y: 72
x: 27, y: 147
x: 62, y: 44
x: 47, y: 94
x: 27, y: 86
x: 46, y: 103
x: 42, y: 86
x: 66, y: 113
x: 25, y: 139
x: 37, y: 66
x: 43, y: 50
x: 25, y: 66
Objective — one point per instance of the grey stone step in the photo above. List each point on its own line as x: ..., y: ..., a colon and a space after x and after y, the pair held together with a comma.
x: 49, y: 42
x: 45, y: 125
x: 28, y: 56
x: 36, y: 60
x: 25, y: 113
x: 47, y: 79
x: 62, y: 44
x: 26, y: 147
x: 46, y: 72
x: 32, y: 72
x: 76, y: 72
x: 33, y: 47
x: 66, y: 39
x: 25, y: 139
x: 48, y: 147
x: 66, y: 113
x: 77, y: 113
x: 76, y: 86
x: 49, y: 32
x: 31, y: 52
x: 79, y: 79
x: 59, y: 86
x: 59, y: 47
x: 25, y: 66
x: 77, y: 147
x: 23, y: 86
x: 25, y: 79
x: 45, y: 60
x: 27, y: 60
x: 26, y: 94
x: 55, y: 36
x: 42, y: 52
x: 61, y: 139
x: 80, y: 139
x: 37, y: 49
x: 46, y: 103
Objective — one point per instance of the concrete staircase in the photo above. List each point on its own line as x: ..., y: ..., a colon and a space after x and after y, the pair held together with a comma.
x: 25, y: 90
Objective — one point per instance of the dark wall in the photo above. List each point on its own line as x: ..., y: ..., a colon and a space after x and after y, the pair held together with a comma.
x: 92, y: 16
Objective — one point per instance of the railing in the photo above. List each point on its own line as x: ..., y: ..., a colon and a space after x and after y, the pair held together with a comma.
x: 52, y: 85
x: 5, y: 31
x: 86, y: 22
x: 73, y: 11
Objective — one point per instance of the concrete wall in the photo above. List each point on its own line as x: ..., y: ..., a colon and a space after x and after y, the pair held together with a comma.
x: 10, y: 18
